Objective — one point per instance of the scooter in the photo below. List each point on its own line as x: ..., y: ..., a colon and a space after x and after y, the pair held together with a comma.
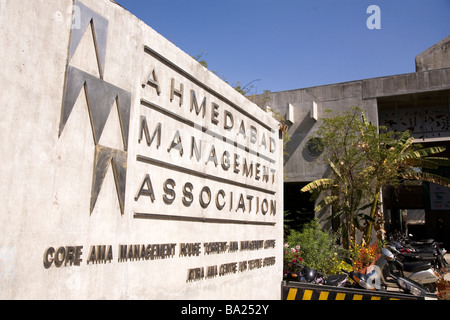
x: 338, y: 280
x: 419, y: 272
x: 372, y: 281
x: 309, y: 275
x: 364, y: 281
x: 426, y: 250
x: 405, y: 284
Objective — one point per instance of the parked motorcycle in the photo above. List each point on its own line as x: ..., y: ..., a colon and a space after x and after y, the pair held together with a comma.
x: 373, y: 281
x: 405, y: 284
x: 425, y: 250
x: 310, y: 275
x: 419, y: 272
x: 338, y: 280
x: 364, y: 281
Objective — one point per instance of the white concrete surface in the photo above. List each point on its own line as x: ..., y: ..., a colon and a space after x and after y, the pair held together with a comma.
x: 47, y: 176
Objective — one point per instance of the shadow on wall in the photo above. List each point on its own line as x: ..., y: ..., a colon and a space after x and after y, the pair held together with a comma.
x: 297, y: 138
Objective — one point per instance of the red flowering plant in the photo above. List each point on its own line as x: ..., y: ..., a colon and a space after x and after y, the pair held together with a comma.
x: 364, y: 256
x: 291, y: 259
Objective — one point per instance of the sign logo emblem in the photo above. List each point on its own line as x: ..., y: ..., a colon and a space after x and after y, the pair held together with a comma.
x: 101, y: 97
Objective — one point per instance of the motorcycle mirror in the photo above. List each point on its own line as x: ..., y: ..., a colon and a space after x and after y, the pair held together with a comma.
x: 349, y: 261
x: 393, y: 249
x: 387, y: 254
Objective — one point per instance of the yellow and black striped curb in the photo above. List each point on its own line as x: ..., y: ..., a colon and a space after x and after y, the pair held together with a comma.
x: 304, y: 291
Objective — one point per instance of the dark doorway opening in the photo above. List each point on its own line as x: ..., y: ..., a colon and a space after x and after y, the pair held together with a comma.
x: 298, y: 206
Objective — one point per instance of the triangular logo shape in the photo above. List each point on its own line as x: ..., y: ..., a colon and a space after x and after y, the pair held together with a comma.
x: 101, y: 98
x: 104, y: 158
x: 88, y: 18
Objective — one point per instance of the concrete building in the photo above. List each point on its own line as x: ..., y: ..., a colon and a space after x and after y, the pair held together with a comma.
x: 418, y: 101
x: 115, y: 184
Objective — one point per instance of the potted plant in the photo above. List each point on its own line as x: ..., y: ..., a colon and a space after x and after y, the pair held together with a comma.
x: 443, y: 287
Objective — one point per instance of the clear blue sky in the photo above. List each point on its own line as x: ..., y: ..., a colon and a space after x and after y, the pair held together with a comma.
x: 291, y: 44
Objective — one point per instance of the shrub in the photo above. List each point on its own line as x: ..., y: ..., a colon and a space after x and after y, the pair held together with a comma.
x: 317, y: 248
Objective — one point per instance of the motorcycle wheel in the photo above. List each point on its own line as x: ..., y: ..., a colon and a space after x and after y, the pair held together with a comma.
x: 432, y: 287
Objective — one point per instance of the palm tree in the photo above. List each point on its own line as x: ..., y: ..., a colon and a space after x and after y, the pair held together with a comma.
x: 404, y: 162
x: 363, y: 160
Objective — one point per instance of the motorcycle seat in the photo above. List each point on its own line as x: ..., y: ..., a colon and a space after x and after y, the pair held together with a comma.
x: 411, y: 257
x: 334, y: 280
x: 416, y: 266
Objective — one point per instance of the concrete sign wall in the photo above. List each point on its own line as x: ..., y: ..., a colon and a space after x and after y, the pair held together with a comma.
x: 129, y: 171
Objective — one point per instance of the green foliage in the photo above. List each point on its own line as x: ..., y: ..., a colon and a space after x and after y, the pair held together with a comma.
x: 199, y: 59
x: 317, y: 247
x: 363, y: 159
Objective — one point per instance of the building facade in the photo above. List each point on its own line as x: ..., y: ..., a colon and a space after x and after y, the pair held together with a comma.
x: 419, y: 102
x: 128, y: 171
